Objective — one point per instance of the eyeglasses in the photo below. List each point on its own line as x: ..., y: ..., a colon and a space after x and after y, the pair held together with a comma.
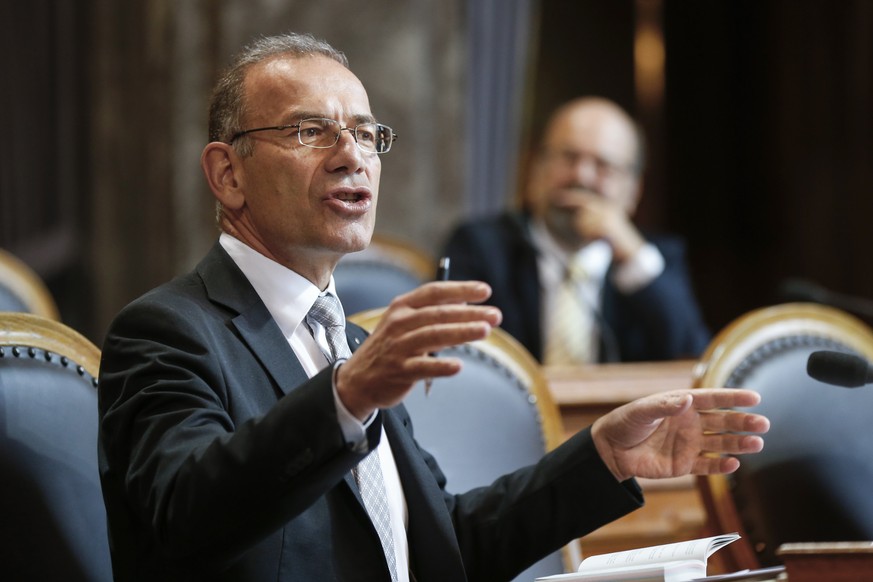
x: 320, y: 133
x: 603, y: 168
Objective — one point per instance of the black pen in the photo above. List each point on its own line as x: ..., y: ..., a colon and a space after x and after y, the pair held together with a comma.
x: 443, y: 269
x: 442, y: 274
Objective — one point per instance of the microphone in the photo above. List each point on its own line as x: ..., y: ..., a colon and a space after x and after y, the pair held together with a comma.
x: 801, y: 290
x: 839, y: 369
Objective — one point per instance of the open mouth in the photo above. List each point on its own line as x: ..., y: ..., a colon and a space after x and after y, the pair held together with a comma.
x: 355, y: 196
x: 351, y: 200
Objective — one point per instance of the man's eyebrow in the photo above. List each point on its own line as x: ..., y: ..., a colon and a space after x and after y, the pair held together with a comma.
x: 359, y: 119
x: 297, y: 116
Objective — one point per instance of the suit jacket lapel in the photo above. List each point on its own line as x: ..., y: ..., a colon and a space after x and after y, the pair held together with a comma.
x: 528, y: 280
x: 226, y: 285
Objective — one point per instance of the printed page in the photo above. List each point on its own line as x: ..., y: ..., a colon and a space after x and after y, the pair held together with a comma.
x: 695, y: 550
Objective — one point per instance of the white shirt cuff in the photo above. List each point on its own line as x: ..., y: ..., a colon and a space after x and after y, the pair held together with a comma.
x: 354, y: 431
x: 640, y: 270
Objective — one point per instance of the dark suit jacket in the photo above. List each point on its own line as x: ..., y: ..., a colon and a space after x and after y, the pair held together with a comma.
x: 659, y: 322
x: 221, y: 460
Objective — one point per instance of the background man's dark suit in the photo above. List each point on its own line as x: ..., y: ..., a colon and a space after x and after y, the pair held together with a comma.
x: 214, y: 387
x: 659, y: 322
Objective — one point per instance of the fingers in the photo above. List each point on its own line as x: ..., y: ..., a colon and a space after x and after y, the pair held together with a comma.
x: 443, y: 292
x: 717, y: 456
x: 402, y: 319
x: 732, y: 444
x: 439, y: 336
x: 715, y: 465
x: 428, y: 329
x: 675, y: 402
x: 437, y: 315
x: 733, y: 421
x: 705, y: 398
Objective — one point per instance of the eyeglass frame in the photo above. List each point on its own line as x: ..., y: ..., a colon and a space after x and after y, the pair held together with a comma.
x: 605, y: 168
x: 352, y: 130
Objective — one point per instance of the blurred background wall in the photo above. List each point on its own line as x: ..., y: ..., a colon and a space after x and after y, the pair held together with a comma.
x: 759, y: 115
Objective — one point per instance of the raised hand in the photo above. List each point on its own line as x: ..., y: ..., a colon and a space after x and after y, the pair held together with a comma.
x: 680, y: 432
x: 396, y: 355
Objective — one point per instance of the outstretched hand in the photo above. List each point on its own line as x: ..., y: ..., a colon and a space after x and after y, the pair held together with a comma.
x: 680, y: 432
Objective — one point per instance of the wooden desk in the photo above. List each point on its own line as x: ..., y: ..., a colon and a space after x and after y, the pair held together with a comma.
x: 831, y: 561
x: 585, y: 393
x: 673, y: 509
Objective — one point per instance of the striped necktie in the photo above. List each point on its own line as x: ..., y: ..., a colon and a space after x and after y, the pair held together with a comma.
x: 570, y: 323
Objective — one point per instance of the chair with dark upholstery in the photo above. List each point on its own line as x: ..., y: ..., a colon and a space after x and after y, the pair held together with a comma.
x: 495, y: 416
x: 22, y: 290
x: 373, y: 277
x: 814, y: 479
x: 52, y: 518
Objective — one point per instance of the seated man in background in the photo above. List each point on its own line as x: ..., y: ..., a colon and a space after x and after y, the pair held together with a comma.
x: 575, y: 279
x: 248, y: 433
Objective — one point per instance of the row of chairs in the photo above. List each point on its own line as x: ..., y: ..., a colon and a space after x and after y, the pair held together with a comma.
x: 811, y: 483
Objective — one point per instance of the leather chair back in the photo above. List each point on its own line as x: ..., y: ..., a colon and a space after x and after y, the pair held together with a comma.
x: 53, y: 520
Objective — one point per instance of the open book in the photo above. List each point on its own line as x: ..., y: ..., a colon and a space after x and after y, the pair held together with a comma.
x: 676, y: 562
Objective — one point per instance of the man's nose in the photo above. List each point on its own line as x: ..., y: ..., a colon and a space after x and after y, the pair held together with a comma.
x: 586, y: 172
x: 346, y: 153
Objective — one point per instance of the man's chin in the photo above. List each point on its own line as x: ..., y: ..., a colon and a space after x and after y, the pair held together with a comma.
x: 356, y: 240
x: 561, y: 225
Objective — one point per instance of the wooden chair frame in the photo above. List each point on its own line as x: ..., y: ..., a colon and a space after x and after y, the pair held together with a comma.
x: 27, y: 286
x: 27, y: 329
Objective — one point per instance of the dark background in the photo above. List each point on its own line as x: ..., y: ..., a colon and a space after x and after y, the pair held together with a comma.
x: 761, y: 153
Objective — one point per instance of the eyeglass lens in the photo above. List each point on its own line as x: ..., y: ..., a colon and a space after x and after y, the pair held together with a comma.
x: 324, y: 133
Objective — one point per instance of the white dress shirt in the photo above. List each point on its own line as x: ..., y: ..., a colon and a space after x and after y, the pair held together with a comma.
x: 594, y: 258
x: 289, y: 297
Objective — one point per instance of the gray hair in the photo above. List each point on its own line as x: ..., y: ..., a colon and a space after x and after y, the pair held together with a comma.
x: 227, y: 105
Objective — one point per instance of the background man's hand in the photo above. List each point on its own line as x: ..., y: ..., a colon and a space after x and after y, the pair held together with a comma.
x: 598, y: 217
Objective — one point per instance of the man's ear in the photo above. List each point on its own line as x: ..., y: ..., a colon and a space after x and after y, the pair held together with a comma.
x: 223, y: 169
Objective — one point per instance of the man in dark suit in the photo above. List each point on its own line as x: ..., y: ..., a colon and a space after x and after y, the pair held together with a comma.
x: 239, y: 437
x: 636, y: 300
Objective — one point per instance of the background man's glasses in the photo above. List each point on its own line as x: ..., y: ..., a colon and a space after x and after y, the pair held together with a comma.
x: 320, y: 133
